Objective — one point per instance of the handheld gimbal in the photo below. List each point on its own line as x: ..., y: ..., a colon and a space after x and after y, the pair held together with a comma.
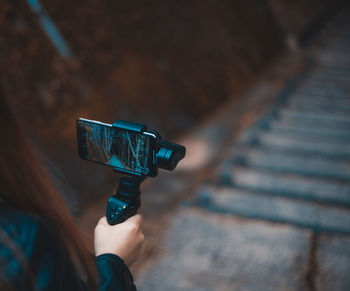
x: 126, y: 201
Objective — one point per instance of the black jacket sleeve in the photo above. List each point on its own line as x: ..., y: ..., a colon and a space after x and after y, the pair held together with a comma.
x: 114, y: 274
x: 32, y: 258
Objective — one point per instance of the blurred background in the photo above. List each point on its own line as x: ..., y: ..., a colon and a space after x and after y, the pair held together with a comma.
x: 178, y: 66
x: 167, y: 64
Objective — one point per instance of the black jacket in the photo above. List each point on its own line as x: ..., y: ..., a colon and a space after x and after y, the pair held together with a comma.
x: 32, y: 258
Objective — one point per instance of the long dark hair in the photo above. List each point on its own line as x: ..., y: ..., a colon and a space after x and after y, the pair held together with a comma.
x: 25, y: 185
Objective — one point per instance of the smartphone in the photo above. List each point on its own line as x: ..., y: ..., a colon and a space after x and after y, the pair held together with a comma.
x: 127, y: 151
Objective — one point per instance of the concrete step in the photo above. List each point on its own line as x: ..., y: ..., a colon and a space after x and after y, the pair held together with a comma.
x: 335, y: 49
x: 277, y: 129
x: 248, y: 204
x: 298, y: 134
x: 320, y: 83
x: 333, y: 259
x: 333, y: 102
x: 287, y: 185
x: 310, y: 108
x: 343, y: 68
x: 325, y: 79
x: 204, y: 251
x: 290, y: 144
x: 334, y: 61
x: 325, y: 91
x: 326, y: 115
x: 312, y: 123
x: 333, y: 72
x: 336, y: 52
x: 331, y: 59
x: 292, y: 163
x: 314, y: 129
x: 322, y: 120
x: 334, y: 76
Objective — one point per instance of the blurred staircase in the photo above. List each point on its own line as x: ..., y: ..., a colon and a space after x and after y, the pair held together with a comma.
x: 276, y: 215
x: 293, y: 165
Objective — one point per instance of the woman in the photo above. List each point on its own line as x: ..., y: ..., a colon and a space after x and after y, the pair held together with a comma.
x: 40, y: 245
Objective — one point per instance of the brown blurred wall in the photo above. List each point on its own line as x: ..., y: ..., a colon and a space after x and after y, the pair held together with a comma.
x: 164, y: 63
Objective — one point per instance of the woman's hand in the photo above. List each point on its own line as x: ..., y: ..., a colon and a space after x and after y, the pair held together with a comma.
x: 124, y: 239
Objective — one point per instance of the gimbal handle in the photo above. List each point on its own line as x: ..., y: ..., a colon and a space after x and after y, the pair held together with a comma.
x: 126, y: 201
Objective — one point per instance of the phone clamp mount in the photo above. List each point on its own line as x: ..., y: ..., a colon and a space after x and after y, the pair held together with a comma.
x: 126, y: 202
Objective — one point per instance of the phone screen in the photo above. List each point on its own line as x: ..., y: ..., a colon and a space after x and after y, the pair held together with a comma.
x: 125, y: 150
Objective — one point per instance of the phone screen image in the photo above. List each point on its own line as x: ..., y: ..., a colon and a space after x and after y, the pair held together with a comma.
x: 119, y: 148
